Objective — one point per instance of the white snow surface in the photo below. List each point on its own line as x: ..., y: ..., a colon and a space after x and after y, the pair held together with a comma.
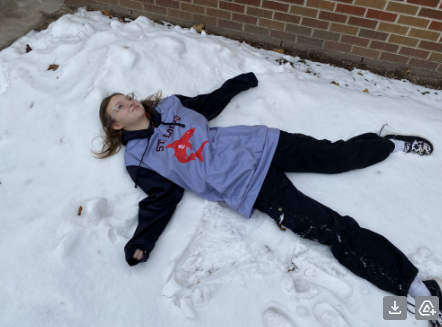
x: 211, y: 266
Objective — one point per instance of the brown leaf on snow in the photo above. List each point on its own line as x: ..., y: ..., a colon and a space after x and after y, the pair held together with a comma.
x: 366, y: 91
x: 280, y: 227
x: 79, y: 210
x: 336, y: 83
x: 106, y: 13
x: 53, y: 67
x: 360, y: 74
x: 200, y: 27
x: 28, y: 48
x: 279, y: 50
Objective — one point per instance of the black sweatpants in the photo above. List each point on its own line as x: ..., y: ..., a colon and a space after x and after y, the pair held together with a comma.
x: 365, y: 253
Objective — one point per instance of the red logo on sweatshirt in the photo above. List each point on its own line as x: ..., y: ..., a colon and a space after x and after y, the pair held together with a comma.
x: 180, y: 146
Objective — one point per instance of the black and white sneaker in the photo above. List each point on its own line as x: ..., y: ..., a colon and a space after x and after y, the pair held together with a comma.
x: 435, y: 286
x: 413, y: 143
x: 438, y: 322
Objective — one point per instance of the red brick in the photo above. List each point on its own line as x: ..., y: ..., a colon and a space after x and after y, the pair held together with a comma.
x: 296, y: 2
x: 180, y: 14
x: 315, y: 23
x: 253, y: 29
x: 423, y: 63
x: 352, y: 10
x: 245, y: 18
x: 231, y: 6
x: 168, y: 3
x: 431, y: 13
x: 373, y: 34
x: 255, y: 3
x: 435, y: 26
x: 283, y: 35
x: 428, y: 3
x: 362, y: 22
x: 354, y: 40
x: 230, y: 24
x: 192, y: 8
x: 310, y: 40
x: 337, y: 46
x: 363, y: 52
x: 414, y: 52
x: 384, y: 46
x: 155, y: 9
x: 275, y: 5
x: 334, y: 17
x: 287, y: 18
x: 431, y: 46
x: 131, y: 4
x: 377, y: 14
x: 393, y: 57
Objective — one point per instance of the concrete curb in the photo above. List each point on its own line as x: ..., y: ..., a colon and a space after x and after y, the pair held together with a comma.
x: 19, y: 18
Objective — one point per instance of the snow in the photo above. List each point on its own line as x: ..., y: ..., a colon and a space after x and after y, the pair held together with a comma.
x: 211, y: 266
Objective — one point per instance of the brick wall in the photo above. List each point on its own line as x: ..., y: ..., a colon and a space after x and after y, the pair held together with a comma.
x: 395, y: 34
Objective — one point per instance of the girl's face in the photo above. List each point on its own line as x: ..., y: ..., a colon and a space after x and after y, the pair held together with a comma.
x: 131, y: 117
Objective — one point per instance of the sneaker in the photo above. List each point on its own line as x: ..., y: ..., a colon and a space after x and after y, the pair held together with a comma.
x: 435, y: 286
x: 413, y: 143
x: 434, y: 323
x: 438, y: 322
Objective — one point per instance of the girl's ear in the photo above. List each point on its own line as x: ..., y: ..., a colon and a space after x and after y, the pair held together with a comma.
x: 117, y: 126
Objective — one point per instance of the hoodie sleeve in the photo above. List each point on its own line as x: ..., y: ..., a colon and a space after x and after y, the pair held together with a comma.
x: 155, y: 211
x: 211, y: 104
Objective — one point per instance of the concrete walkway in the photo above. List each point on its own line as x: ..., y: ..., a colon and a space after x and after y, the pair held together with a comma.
x: 18, y: 17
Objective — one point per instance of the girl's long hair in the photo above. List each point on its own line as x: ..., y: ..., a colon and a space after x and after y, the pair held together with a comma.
x: 112, y: 139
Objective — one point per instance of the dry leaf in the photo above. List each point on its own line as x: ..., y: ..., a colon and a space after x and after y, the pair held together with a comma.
x: 408, y: 71
x: 360, y: 74
x: 336, y: 83
x: 280, y: 227
x: 350, y: 67
x: 279, y: 50
x: 366, y: 91
x: 79, y: 210
x: 53, y: 67
x: 28, y: 48
x: 199, y: 28
x: 106, y: 13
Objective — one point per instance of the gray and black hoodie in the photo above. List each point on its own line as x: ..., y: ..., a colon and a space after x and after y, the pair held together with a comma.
x: 179, y: 151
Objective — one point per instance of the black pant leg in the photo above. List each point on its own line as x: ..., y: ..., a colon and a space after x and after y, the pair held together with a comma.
x: 365, y: 253
x: 303, y: 153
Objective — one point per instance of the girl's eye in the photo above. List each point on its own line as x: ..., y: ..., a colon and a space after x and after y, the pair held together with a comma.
x: 119, y: 107
x: 129, y: 98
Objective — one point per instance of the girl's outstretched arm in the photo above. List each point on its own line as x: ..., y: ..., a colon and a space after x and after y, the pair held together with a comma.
x: 155, y: 211
x: 211, y: 104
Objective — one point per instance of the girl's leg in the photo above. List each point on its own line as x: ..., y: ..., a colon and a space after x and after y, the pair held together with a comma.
x: 303, y: 153
x: 365, y: 253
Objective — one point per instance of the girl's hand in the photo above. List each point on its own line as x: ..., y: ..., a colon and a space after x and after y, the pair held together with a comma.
x: 138, y: 254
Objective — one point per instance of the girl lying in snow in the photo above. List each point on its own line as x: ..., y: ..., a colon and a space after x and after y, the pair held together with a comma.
x: 170, y: 147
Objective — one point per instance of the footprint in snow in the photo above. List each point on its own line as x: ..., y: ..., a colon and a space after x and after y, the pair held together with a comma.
x: 318, y: 276
x: 328, y: 316
x: 274, y: 317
